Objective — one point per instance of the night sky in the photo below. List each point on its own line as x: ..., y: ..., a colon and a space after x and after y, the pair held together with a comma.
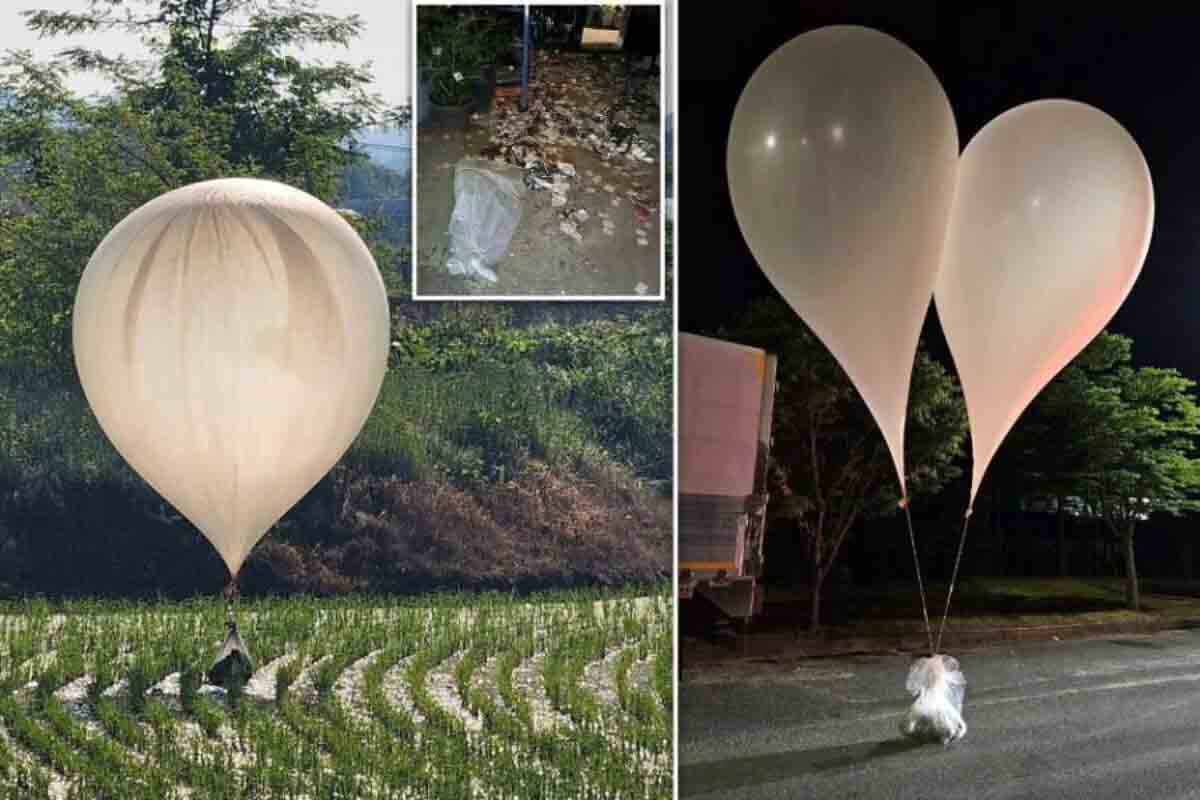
x: 1141, y: 68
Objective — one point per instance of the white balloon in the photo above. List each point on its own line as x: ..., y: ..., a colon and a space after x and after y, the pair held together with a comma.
x: 1050, y: 226
x: 842, y: 158
x: 232, y: 337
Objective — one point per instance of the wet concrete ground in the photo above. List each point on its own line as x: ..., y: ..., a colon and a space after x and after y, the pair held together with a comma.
x: 1108, y: 718
x: 599, y: 232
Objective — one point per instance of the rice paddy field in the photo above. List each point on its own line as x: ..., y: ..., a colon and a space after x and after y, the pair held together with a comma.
x: 556, y: 696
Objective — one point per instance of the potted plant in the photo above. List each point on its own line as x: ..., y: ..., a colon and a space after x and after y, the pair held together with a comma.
x: 498, y: 36
x: 456, y: 48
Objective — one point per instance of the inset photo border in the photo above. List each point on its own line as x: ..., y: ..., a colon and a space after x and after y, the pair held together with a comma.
x: 539, y: 155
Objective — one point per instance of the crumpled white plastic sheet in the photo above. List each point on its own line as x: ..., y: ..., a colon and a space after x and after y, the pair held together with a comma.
x: 939, y: 687
x: 487, y: 208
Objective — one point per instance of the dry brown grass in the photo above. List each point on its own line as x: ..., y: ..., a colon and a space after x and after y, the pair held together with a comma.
x: 537, y: 530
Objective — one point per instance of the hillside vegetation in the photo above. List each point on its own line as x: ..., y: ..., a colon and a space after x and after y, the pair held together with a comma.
x: 499, y: 455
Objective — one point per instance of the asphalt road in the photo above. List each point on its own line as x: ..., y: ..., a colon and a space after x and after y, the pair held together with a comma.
x: 1109, y: 718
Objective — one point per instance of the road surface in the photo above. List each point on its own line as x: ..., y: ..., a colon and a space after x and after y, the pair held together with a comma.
x: 1108, y: 718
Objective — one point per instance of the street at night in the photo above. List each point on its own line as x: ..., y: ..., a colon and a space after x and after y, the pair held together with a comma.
x: 1047, y: 388
x: 1103, y: 718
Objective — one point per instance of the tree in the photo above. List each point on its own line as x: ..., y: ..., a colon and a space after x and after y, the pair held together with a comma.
x: 1124, y: 442
x: 1063, y: 436
x: 222, y: 95
x: 830, y: 465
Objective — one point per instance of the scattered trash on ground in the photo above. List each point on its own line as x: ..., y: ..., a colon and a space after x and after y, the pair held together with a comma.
x: 571, y: 230
x: 576, y: 100
x: 585, y: 156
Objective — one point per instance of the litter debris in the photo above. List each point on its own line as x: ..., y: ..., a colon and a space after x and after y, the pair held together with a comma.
x: 939, y: 686
x: 538, y: 175
x: 571, y: 230
x: 574, y: 101
x: 582, y: 131
x: 639, y: 150
x: 487, y: 208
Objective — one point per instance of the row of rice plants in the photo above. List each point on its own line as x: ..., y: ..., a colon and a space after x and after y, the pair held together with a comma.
x: 342, y: 733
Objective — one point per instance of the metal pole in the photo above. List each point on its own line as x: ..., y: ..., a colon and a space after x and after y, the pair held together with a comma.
x: 525, y: 63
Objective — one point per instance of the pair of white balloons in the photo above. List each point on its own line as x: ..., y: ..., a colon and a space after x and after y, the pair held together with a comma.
x: 848, y: 186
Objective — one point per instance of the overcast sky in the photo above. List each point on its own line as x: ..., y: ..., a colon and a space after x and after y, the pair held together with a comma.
x: 384, y: 41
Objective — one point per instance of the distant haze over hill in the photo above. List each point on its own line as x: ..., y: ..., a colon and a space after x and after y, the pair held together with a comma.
x: 382, y: 187
x: 390, y: 148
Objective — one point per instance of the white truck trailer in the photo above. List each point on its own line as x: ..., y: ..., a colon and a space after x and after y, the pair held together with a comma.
x: 726, y: 401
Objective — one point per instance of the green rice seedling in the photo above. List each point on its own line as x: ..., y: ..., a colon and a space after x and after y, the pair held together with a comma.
x: 235, y: 691
x: 189, y: 683
x: 139, y: 683
x: 285, y: 676
x: 621, y: 675
x: 465, y: 669
x: 40, y: 743
x: 352, y: 738
x: 327, y: 674
x: 663, y: 671
x: 208, y: 715
x: 26, y: 780
x: 120, y: 727
x: 516, y: 702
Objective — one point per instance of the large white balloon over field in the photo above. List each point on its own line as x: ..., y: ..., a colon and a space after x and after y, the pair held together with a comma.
x: 1050, y: 226
x: 842, y: 158
x: 231, y: 337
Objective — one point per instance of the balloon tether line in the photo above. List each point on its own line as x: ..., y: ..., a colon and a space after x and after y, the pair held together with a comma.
x: 231, y: 598
x: 962, y: 538
x: 912, y: 539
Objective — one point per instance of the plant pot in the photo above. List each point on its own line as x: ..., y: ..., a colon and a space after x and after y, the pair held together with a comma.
x: 485, y: 90
x: 456, y: 116
x: 424, y: 87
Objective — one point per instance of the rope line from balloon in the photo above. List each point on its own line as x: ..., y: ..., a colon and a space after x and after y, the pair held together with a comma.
x: 912, y: 539
x: 962, y: 538
x: 232, y: 595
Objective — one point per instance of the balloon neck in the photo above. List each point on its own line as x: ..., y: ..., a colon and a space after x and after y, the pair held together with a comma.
x: 903, y: 502
x: 970, y: 511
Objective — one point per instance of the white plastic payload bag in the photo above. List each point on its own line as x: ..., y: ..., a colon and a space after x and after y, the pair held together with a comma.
x: 939, y: 686
x: 487, y: 207
x: 233, y: 663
